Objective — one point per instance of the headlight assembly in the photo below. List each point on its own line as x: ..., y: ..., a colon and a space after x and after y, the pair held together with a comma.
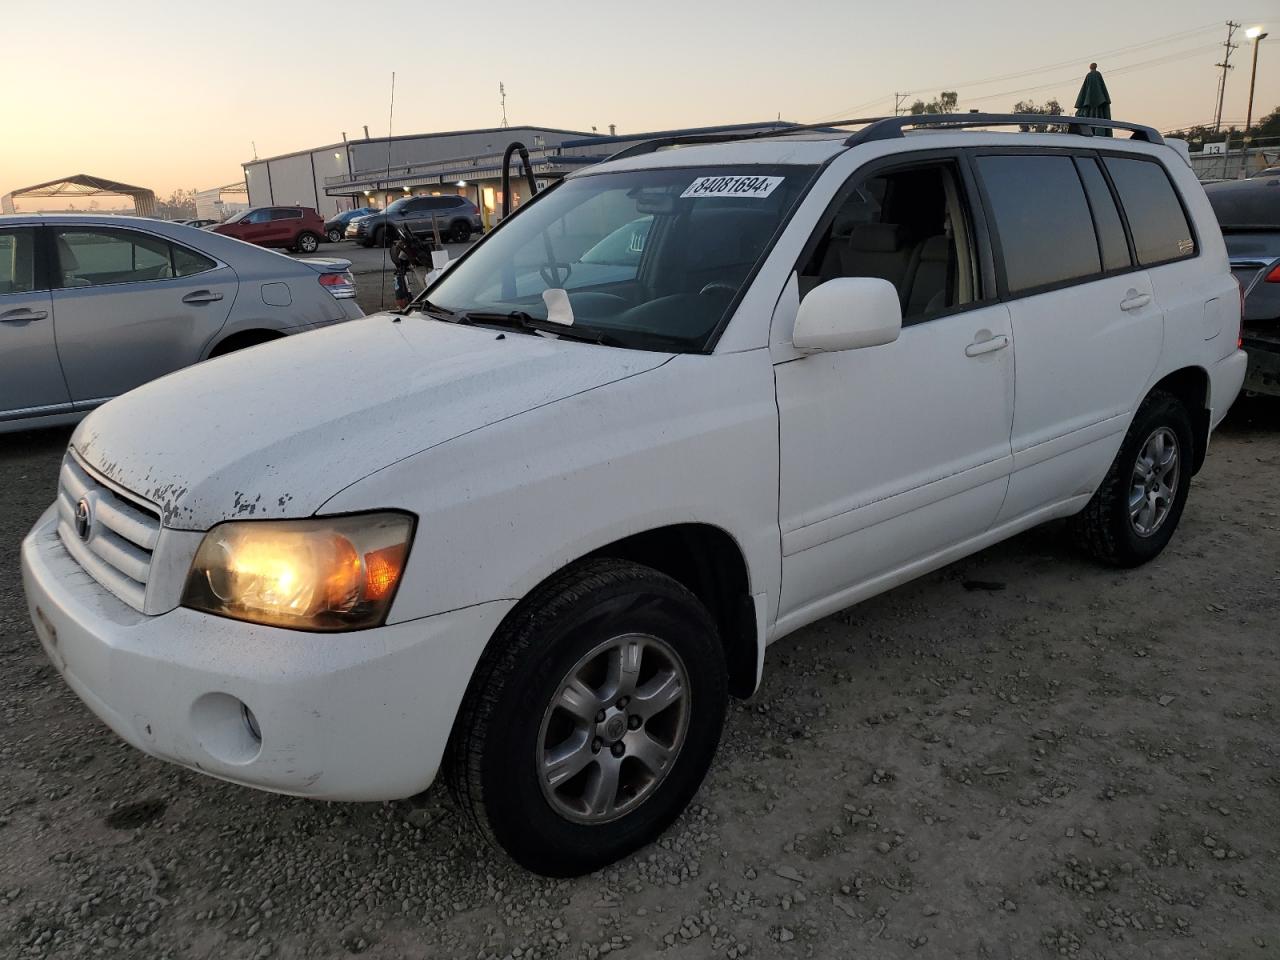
x: 322, y: 573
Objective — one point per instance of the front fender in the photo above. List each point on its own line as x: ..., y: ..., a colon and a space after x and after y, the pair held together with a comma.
x: 502, y: 508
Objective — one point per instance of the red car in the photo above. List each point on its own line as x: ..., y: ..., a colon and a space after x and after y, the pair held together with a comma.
x: 294, y: 228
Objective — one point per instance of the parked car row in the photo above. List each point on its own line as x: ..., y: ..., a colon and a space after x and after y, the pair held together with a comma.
x: 532, y: 534
x: 93, y: 306
x: 1248, y: 212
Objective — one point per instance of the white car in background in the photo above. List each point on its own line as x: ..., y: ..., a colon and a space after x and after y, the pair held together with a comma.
x: 536, y: 537
x: 93, y: 306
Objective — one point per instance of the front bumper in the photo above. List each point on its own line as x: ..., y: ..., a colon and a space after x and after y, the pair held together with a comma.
x: 347, y: 716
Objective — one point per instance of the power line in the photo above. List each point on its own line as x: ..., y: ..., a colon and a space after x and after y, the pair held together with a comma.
x: 1074, y: 61
x: 1044, y: 68
x: 1118, y: 71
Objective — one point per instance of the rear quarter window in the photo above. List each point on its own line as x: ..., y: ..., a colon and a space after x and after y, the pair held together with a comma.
x: 1042, y: 220
x: 1156, y: 218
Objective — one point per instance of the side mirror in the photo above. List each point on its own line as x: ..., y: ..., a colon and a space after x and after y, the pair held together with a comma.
x: 848, y: 313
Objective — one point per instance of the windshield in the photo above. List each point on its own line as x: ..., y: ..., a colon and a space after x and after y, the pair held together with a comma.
x: 650, y: 258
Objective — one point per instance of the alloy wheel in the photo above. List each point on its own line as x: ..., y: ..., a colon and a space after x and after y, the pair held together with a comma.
x: 614, y: 729
x: 1154, y: 483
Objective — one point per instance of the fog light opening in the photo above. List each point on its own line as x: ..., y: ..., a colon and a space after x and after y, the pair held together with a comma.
x: 251, y: 722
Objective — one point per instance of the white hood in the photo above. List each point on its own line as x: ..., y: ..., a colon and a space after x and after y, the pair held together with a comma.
x: 276, y: 430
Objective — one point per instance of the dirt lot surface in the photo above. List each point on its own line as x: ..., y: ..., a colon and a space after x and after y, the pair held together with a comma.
x: 1022, y: 755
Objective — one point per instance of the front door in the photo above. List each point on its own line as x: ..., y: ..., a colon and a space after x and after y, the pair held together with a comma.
x: 31, y: 380
x: 891, y: 455
x: 131, y: 307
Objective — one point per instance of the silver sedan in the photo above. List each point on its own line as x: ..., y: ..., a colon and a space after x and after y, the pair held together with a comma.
x: 93, y: 306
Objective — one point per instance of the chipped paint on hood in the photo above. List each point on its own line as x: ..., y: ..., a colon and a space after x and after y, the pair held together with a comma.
x: 275, y: 430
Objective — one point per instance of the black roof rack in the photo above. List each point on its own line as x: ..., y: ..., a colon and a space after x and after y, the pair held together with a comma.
x: 659, y: 143
x: 890, y: 128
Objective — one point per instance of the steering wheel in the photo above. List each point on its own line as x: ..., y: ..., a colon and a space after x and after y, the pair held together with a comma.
x: 717, y: 285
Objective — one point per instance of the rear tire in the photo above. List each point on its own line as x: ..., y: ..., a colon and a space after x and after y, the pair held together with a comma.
x: 307, y: 242
x: 461, y: 232
x: 630, y: 745
x: 1133, y: 515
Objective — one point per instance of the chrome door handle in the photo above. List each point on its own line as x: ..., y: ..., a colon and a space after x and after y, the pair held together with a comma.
x: 990, y: 345
x: 22, y: 315
x: 202, y: 296
x: 1133, y: 300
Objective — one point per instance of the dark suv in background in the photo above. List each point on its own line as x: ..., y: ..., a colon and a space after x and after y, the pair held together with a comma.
x: 294, y: 228
x: 457, y: 217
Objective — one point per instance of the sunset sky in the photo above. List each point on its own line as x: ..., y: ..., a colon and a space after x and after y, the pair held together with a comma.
x: 175, y: 94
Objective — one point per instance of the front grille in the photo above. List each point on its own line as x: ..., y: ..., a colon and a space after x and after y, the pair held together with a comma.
x: 115, y: 545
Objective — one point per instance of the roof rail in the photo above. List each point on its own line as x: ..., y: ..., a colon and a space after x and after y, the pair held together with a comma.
x: 651, y: 146
x: 890, y: 128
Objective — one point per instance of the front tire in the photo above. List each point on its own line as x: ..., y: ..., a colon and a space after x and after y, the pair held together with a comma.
x: 1133, y: 515
x: 592, y: 718
x: 335, y: 235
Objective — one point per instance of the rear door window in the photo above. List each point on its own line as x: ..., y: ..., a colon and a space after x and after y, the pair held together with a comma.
x: 90, y: 257
x: 1160, y: 229
x: 17, y: 261
x: 1044, y: 231
x: 187, y: 263
x: 1112, y: 244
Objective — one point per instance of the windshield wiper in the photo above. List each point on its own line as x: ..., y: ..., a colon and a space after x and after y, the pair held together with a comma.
x: 519, y: 320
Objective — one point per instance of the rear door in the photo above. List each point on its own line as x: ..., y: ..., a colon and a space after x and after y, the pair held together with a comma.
x: 1087, y: 329
x: 284, y: 226
x: 132, y: 306
x: 31, y: 380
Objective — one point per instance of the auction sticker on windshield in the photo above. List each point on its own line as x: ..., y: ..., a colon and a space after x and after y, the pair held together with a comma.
x: 758, y: 187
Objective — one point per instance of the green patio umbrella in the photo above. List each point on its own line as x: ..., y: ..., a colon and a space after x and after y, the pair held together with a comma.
x: 1094, y: 101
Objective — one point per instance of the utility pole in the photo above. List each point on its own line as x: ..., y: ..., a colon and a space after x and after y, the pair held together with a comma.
x: 502, y: 92
x: 898, y: 100
x: 1225, y: 65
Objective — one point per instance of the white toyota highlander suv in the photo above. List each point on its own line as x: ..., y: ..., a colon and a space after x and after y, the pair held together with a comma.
x: 534, y: 531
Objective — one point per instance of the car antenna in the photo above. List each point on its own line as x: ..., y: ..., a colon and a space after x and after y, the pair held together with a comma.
x: 391, y: 116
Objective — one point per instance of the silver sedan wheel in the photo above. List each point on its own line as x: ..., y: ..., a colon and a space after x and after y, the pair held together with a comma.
x: 1154, y: 483
x: 614, y: 729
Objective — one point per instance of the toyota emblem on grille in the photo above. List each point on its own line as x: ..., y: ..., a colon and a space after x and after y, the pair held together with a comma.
x: 84, y: 519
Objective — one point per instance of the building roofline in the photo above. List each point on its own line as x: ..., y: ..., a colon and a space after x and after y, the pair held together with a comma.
x: 677, y: 131
x: 295, y: 153
x: 409, y: 136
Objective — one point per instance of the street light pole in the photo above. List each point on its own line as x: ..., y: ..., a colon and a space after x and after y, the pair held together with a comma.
x: 1257, y: 35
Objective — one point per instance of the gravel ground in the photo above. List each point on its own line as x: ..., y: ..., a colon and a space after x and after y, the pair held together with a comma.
x: 1021, y: 755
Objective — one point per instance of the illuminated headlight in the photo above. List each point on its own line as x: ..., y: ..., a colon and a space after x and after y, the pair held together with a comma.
x: 324, y: 573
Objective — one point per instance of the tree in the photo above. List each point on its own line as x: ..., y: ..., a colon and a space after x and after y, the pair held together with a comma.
x: 1268, y: 126
x: 179, y: 205
x: 945, y: 103
x: 1050, y: 108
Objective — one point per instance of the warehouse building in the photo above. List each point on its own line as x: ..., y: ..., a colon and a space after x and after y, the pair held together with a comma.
x: 325, y: 177
x: 352, y: 174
